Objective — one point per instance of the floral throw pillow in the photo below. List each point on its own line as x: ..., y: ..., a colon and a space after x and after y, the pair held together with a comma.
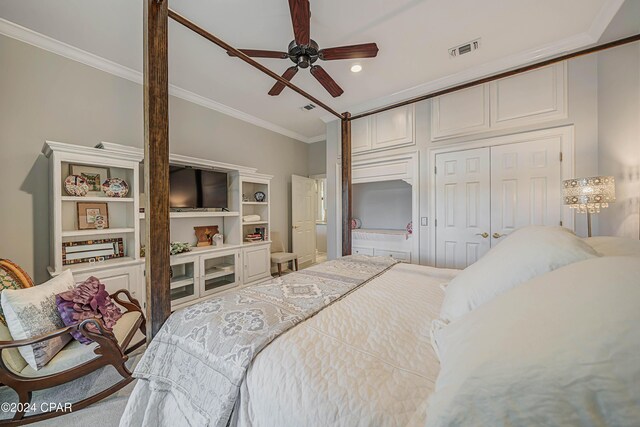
x: 31, y: 312
x: 88, y: 300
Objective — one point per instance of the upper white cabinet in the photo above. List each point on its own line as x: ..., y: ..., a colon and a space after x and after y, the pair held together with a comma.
x: 390, y: 129
x: 393, y: 128
x: 534, y: 97
x: 460, y: 113
x: 361, y: 135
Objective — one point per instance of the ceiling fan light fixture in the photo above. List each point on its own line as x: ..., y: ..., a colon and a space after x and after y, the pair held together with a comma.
x: 356, y: 68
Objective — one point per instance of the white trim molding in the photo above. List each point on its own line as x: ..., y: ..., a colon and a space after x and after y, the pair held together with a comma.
x: 52, y: 45
x: 578, y: 41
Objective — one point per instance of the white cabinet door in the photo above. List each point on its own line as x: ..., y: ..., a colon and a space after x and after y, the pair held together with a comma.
x: 115, y: 279
x: 219, y: 271
x: 460, y: 113
x: 361, y: 135
x: 257, y: 263
x: 532, y: 97
x: 526, y: 179
x: 393, y: 128
x: 462, y: 207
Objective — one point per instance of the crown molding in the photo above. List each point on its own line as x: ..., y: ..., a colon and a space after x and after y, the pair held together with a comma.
x: 318, y: 138
x: 604, y: 18
x: 26, y: 35
x: 589, y: 37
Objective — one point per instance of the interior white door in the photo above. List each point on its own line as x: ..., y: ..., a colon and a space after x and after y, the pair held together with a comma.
x: 303, y: 218
x: 462, y: 207
x: 525, y: 185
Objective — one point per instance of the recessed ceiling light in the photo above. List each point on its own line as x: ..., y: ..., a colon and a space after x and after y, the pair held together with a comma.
x: 356, y: 68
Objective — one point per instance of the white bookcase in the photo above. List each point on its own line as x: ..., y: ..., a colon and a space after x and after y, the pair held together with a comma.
x: 198, y: 274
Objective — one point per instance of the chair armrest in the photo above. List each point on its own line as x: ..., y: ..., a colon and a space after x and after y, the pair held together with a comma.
x: 39, y: 338
x: 131, y: 305
x: 101, y: 333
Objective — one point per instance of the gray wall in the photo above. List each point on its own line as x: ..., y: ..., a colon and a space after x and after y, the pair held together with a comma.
x: 619, y: 137
x: 317, y: 158
x: 45, y: 96
x: 383, y: 205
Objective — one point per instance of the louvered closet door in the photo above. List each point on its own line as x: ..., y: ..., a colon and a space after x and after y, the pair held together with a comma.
x: 462, y: 207
x: 525, y: 186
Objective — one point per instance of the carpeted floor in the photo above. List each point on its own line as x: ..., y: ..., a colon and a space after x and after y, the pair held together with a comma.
x: 105, y: 413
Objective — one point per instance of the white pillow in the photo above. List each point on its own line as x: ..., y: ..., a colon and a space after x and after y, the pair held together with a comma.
x: 31, y: 312
x: 614, y: 246
x: 526, y: 253
x: 562, y: 349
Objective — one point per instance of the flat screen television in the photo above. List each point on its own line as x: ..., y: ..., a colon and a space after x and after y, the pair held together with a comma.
x: 191, y: 188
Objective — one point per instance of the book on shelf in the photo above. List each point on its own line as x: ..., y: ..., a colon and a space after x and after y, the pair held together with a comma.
x: 259, y: 235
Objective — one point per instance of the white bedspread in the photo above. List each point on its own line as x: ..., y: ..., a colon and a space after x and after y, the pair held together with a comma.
x: 364, y: 361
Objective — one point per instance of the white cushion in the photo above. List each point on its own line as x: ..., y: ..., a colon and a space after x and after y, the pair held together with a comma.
x: 562, y: 349
x: 614, y: 246
x: 31, y: 312
x: 11, y: 356
x: 75, y: 353
x: 280, y: 257
x: 526, y: 253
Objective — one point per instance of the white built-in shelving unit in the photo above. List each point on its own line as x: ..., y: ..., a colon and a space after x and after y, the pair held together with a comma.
x: 197, y: 274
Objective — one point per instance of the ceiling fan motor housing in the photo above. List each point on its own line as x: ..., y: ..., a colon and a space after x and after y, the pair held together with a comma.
x: 303, y: 55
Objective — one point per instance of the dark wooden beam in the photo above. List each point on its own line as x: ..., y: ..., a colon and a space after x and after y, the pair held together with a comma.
x: 347, y: 207
x: 228, y: 48
x: 502, y: 75
x: 156, y: 163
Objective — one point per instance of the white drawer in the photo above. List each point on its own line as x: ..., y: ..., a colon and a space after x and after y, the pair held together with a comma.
x: 399, y: 255
x: 362, y: 251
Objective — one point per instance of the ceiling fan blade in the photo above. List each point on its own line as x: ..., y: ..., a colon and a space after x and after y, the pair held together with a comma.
x: 288, y: 75
x: 255, y: 53
x: 301, y: 20
x: 367, y: 50
x: 325, y: 80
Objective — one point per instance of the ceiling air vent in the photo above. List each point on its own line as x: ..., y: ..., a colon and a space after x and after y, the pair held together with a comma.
x: 308, y: 107
x: 462, y: 49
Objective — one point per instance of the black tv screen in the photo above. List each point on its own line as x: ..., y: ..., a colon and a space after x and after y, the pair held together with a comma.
x: 191, y: 188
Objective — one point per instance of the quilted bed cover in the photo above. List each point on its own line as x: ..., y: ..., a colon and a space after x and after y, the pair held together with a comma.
x: 363, y: 361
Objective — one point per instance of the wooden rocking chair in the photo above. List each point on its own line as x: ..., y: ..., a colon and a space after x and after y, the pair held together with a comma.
x: 74, y: 361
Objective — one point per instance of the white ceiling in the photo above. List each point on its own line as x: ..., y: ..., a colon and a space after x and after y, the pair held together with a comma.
x: 413, y: 37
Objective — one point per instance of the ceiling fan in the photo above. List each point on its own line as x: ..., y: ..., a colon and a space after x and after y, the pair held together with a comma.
x: 304, y: 52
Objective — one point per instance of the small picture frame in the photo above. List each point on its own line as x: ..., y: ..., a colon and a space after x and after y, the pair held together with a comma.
x: 88, y: 214
x: 93, y: 175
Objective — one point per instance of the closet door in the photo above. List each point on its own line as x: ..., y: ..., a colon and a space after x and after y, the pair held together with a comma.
x: 525, y: 185
x: 462, y: 207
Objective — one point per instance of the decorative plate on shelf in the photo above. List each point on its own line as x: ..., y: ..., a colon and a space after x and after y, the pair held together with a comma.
x: 115, y: 187
x: 75, y: 185
x: 259, y: 196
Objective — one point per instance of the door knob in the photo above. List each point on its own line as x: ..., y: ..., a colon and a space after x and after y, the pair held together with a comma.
x: 498, y: 235
x: 484, y: 235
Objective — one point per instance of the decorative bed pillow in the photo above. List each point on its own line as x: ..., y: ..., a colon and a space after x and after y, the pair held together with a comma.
x: 526, y: 253
x: 12, y: 277
x: 561, y: 349
x: 31, y: 312
x: 614, y: 246
x: 88, y: 300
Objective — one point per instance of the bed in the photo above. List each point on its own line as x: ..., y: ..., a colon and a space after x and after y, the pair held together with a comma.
x: 408, y: 345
